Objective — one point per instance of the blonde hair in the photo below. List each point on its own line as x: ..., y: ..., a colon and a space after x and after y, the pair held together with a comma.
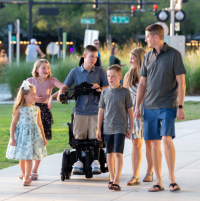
x: 133, y: 76
x: 20, y: 100
x: 116, y: 68
x: 37, y: 64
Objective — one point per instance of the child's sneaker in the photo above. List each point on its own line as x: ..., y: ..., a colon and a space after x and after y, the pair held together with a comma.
x: 77, y: 167
x: 96, y: 167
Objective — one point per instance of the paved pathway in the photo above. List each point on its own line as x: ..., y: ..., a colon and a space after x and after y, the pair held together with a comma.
x: 50, y: 187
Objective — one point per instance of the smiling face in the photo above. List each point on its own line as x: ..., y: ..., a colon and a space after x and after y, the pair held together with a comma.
x: 90, y: 58
x: 44, y: 70
x: 113, y: 78
x: 150, y: 39
x: 30, y: 97
x: 133, y: 61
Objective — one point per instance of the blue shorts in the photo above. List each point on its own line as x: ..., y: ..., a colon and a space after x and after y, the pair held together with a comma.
x: 114, y: 143
x: 158, y: 123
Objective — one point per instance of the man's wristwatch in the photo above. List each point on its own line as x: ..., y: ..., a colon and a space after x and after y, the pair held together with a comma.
x: 180, y: 107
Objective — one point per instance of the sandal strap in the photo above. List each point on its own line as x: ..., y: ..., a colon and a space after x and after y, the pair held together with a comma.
x: 173, y: 184
x: 134, y: 178
x: 147, y: 174
x: 157, y: 186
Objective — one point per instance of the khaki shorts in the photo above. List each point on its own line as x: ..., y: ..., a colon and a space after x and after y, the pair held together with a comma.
x: 84, y: 126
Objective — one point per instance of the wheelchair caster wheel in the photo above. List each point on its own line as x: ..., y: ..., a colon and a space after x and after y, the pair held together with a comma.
x: 62, y: 177
x: 68, y: 175
x: 88, y: 176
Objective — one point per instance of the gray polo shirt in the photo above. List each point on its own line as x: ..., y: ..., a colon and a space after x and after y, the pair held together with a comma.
x: 161, y: 71
x: 86, y: 104
x: 115, y: 103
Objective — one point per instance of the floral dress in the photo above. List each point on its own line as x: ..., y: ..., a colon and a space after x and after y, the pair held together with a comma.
x: 28, y: 137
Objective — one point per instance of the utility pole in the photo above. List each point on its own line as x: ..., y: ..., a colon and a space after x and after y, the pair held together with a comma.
x: 30, y: 27
x: 172, y: 23
x: 18, y: 41
x: 108, y: 24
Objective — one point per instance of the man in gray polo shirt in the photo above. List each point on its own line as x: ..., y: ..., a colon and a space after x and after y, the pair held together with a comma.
x: 163, y: 78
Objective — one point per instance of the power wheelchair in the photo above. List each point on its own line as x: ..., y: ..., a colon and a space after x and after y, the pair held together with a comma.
x: 69, y: 156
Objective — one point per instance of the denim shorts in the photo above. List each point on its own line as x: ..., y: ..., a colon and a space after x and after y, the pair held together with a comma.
x: 114, y: 143
x: 158, y: 123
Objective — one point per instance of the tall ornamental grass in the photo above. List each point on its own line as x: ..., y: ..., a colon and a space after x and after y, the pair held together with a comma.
x: 15, y: 75
x: 192, y: 64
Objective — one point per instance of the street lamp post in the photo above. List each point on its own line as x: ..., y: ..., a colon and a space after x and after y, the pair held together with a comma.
x: 172, y: 23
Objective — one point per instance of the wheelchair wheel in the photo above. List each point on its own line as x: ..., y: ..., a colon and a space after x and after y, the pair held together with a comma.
x: 88, y: 176
x: 62, y: 177
x: 68, y: 175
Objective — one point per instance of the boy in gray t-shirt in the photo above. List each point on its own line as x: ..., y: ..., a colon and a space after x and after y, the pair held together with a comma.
x: 114, y: 108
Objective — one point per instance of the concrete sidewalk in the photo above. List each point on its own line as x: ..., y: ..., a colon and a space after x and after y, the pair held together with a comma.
x: 50, y: 187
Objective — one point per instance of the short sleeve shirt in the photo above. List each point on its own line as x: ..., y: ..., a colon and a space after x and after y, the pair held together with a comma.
x: 45, y: 89
x: 86, y: 104
x: 161, y: 71
x: 115, y: 103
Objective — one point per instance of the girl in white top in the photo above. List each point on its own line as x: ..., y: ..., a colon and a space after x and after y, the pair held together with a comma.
x: 44, y: 85
x: 27, y: 138
x: 131, y: 80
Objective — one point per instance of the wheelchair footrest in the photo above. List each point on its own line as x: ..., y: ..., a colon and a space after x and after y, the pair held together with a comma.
x: 83, y: 173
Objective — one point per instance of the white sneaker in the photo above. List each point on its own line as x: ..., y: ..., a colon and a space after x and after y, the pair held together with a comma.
x: 77, y: 167
x: 96, y: 166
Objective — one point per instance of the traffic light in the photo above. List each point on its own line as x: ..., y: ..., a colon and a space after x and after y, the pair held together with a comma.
x: 132, y: 11
x: 155, y: 7
x: 96, y: 6
x: 140, y: 4
x: 2, y: 5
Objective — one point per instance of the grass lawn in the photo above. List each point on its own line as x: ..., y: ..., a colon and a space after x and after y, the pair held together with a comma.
x: 62, y: 115
x: 59, y: 142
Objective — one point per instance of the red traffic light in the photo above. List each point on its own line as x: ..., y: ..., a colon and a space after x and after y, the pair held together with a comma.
x: 133, y: 8
x: 155, y: 6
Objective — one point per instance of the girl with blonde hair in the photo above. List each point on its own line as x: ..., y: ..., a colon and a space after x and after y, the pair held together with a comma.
x: 27, y: 138
x: 44, y: 85
x: 131, y: 81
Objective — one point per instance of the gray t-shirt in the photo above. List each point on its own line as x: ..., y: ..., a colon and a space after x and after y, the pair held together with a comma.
x: 115, y: 103
x: 161, y: 71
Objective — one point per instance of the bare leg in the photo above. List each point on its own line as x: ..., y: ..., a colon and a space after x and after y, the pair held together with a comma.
x: 157, y: 161
x: 28, y: 167
x: 118, y: 167
x: 136, y: 158
x: 22, y: 166
x: 111, y: 165
x: 170, y: 158
x: 35, y: 166
x: 149, y: 159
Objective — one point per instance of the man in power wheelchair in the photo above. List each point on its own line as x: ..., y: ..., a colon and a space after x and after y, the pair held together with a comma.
x: 85, y: 115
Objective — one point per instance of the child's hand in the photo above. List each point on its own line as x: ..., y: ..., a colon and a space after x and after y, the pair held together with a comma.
x: 12, y: 142
x: 128, y: 134
x: 99, y: 135
x: 45, y: 141
x: 50, y: 102
x: 39, y: 99
x: 96, y: 86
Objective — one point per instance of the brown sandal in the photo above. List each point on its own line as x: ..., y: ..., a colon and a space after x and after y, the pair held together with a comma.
x: 21, y: 176
x: 34, y: 176
x: 26, y: 183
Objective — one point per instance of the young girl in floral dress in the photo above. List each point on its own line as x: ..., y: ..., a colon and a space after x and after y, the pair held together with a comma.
x: 27, y: 138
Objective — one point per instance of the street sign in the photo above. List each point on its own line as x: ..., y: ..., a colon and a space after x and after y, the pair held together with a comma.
x: 87, y: 21
x: 14, y: 38
x: 120, y: 19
